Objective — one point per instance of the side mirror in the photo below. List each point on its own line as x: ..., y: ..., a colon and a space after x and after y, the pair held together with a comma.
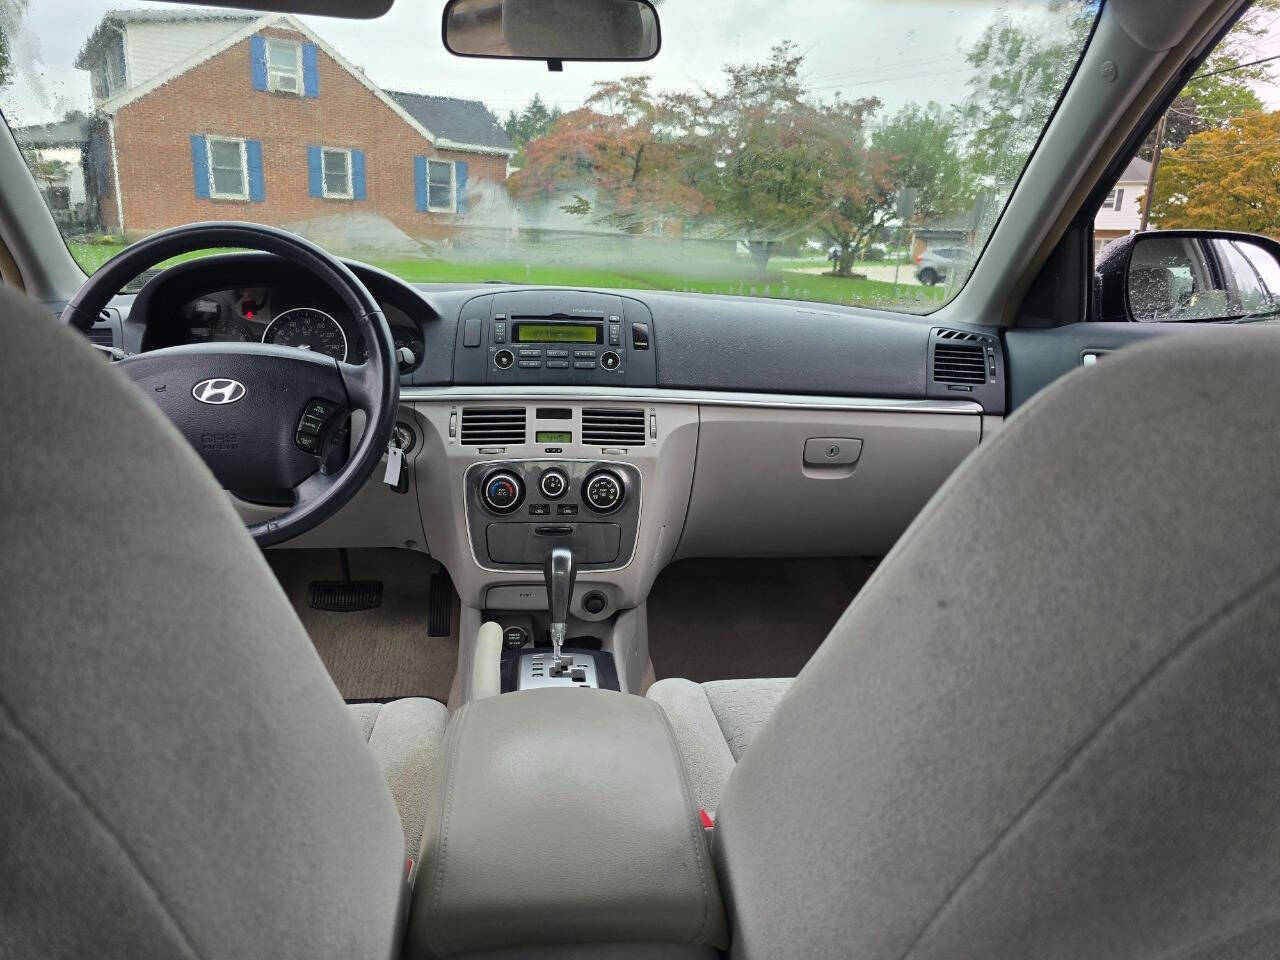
x: 1187, y: 275
x: 552, y: 30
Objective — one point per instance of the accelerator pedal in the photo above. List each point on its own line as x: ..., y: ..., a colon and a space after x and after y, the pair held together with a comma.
x: 440, y: 605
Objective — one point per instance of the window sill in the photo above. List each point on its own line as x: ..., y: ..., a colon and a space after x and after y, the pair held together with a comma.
x: 229, y: 198
x: 337, y: 196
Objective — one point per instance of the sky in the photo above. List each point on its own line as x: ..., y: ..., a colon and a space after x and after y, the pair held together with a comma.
x: 899, y: 50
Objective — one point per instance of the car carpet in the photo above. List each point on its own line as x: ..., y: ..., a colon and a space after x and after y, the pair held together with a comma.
x: 379, y: 654
x: 738, y: 619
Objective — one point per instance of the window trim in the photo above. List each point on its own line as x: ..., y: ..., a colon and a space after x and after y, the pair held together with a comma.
x: 324, y: 177
x: 273, y: 71
x: 453, y: 186
x: 214, y: 192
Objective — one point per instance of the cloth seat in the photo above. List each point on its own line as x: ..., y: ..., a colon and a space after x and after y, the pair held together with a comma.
x: 714, y: 724
x: 405, y: 737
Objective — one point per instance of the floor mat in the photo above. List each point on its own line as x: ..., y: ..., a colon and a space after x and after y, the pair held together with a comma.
x: 734, y: 619
x: 378, y: 654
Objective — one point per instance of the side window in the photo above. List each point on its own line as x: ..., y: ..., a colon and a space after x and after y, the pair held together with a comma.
x: 284, y: 66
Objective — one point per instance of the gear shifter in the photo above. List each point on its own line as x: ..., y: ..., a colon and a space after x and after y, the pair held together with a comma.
x: 559, y: 571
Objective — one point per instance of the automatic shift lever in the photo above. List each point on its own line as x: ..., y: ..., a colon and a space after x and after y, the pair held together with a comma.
x: 559, y: 571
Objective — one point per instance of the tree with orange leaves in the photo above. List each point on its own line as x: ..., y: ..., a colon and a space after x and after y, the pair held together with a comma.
x: 1227, y: 178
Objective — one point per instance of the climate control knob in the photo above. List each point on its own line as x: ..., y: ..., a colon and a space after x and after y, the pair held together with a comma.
x: 553, y: 484
x: 603, y: 491
x: 502, y: 491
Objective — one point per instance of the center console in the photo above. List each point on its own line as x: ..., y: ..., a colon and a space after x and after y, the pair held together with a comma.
x: 564, y: 825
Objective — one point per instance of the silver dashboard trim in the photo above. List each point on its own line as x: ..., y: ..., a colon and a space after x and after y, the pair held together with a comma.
x: 703, y: 397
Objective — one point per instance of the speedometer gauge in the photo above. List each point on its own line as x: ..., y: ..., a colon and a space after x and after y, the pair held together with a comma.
x: 308, y: 329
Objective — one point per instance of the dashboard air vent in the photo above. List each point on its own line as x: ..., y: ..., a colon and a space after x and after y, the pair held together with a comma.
x: 102, y: 336
x: 963, y: 335
x: 613, y: 427
x: 482, y: 426
x: 959, y: 363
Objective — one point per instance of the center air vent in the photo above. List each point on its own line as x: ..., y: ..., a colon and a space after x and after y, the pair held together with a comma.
x: 959, y: 363
x: 613, y: 427
x: 482, y: 426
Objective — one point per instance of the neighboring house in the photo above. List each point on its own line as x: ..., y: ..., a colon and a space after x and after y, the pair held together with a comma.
x: 275, y: 125
x: 1121, y: 213
x: 59, y: 147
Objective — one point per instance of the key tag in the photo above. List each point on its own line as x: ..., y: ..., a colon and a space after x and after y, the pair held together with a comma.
x: 395, y: 466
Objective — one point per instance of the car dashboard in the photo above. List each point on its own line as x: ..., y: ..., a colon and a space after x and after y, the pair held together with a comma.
x: 638, y: 427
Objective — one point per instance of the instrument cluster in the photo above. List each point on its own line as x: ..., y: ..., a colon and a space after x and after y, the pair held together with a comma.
x: 268, y: 315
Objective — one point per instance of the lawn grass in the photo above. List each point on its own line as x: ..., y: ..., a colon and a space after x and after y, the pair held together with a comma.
x: 780, y: 282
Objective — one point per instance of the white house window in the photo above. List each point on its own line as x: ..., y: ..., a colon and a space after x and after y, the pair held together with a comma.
x: 228, y: 169
x: 284, y: 66
x: 1115, y: 200
x: 337, y: 174
x: 440, y: 185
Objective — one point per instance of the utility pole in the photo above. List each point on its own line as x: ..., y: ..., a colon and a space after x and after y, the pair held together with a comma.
x: 1151, y: 176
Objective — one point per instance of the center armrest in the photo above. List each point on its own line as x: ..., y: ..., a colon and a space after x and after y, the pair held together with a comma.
x: 565, y: 817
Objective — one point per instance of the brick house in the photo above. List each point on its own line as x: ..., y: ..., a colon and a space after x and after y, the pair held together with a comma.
x: 208, y: 115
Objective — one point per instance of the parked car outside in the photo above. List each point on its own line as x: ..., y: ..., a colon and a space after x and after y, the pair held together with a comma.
x: 934, y: 263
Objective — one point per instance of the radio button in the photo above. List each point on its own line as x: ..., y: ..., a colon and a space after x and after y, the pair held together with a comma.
x: 610, y: 361
x: 557, y: 364
x: 504, y: 359
x: 584, y: 354
x: 615, y: 335
x: 584, y: 364
x: 499, y: 331
x: 558, y: 354
x: 526, y: 352
x: 530, y: 364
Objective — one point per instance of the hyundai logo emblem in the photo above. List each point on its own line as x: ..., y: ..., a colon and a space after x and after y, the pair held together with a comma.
x: 219, y: 390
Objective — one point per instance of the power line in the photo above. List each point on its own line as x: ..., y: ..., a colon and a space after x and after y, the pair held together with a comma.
x: 1239, y: 66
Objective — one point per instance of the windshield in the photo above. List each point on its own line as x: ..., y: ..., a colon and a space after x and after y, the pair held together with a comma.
x: 830, y: 150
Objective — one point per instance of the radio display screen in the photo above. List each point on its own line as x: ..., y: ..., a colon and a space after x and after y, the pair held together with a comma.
x: 558, y: 333
x: 553, y: 436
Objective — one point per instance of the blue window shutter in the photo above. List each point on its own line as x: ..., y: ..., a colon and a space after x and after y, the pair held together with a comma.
x: 357, y: 175
x: 258, y: 60
x: 310, y: 71
x: 315, y: 171
x: 460, y: 185
x: 420, y: 184
x: 253, y: 157
x: 200, y: 164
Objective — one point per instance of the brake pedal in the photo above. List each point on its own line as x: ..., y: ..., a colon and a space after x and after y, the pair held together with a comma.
x: 345, y: 596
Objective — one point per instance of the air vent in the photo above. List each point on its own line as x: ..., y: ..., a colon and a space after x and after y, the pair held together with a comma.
x: 613, y: 427
x: 102, y: 336
x: 962, y: 335
x: 483, y: 426
x: 958, y: 363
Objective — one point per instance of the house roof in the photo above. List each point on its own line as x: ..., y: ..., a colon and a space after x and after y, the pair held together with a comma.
x: 1137, y: 171
x: 246, y: 26
x: 61, y: 133
x: 118, y: 18
x: 455, y: 120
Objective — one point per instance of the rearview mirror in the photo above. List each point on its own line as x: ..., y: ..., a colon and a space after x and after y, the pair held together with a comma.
x: 1187, y: 275
x: 552, y: 30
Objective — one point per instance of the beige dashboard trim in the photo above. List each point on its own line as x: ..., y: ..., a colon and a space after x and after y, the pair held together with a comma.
x: 705, y: 397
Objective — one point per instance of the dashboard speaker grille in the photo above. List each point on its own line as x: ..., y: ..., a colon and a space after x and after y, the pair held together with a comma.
x: 613, y: 427
x: 959, y: 363
x: 482, y: 426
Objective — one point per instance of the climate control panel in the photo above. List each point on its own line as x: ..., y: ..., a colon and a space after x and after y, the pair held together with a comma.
x: 517, y: 511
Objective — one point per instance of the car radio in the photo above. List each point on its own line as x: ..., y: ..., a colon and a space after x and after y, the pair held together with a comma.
x: 561, y: 337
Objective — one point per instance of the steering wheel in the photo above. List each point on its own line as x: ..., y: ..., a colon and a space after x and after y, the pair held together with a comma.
x: 263, y: 416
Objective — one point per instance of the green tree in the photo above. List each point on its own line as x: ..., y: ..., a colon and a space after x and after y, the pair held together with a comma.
x: 1019, y: 73
x: 763, y: 153
x: 923, y: 149
x: 533, y: 121
x: 46, y: 170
